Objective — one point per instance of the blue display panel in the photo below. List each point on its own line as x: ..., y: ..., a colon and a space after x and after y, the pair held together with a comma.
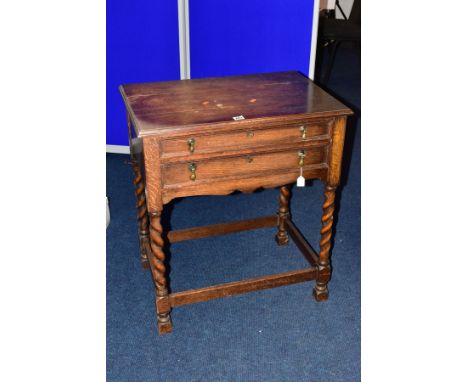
x: 249, y: 36
x: 142, y: 46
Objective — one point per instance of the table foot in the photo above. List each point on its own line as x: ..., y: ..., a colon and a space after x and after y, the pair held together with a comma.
x: 144, y: 263
x: 164, y: 325
x: 320, y: 294
x: 144, y: 249
x: 281, y: 240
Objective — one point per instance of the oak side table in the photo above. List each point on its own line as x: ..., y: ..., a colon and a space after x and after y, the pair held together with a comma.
x: 217, y: 135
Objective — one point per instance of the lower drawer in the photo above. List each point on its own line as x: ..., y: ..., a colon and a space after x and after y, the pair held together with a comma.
x: 241, y: 166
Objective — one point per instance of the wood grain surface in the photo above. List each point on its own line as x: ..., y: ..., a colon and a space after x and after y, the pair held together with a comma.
x: 247, y: 165
x: 159, y: 107
x: 251, y: 138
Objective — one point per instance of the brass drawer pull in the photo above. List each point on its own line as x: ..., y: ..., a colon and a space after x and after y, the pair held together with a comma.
x: 191, y: 145
x: 250, y: 134
x: 301, y: 155
x: 192, y: 168
x: 303, y: 131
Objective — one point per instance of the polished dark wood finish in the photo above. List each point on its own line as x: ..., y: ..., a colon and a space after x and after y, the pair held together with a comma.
x: 221, y: 229
x: 219, y: 135
x: 244, y: 286
x: 209, y: 104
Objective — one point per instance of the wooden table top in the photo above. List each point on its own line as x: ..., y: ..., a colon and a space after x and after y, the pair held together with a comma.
x: 160, y: 107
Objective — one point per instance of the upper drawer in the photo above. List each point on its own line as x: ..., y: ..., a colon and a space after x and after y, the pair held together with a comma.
x: 202, y: 144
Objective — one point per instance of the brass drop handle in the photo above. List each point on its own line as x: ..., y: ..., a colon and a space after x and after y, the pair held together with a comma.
x: 303, y: 131
x: 301, y: 155
x: 191, y: 145
x: 192, y: 168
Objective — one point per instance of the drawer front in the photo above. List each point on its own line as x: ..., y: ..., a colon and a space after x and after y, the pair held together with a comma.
x: 240, y: 166
x: 298, y: 132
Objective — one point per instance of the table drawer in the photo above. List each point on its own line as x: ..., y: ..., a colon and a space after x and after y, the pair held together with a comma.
x: 241, y: 166
x: 297, y: 132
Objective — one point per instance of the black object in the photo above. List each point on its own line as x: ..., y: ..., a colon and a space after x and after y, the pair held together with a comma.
x: 332, y: 32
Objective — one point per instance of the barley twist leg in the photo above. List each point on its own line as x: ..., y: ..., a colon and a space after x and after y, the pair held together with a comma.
x: 142, y: 213
x: 324, y: 271
x: 283, y: 214
x: 158, y: 270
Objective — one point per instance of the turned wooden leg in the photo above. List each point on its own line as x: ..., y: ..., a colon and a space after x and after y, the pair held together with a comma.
x: 158, y: 270
x: 324, y: 271
x: 143, y: 228
x: 283, y: 214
